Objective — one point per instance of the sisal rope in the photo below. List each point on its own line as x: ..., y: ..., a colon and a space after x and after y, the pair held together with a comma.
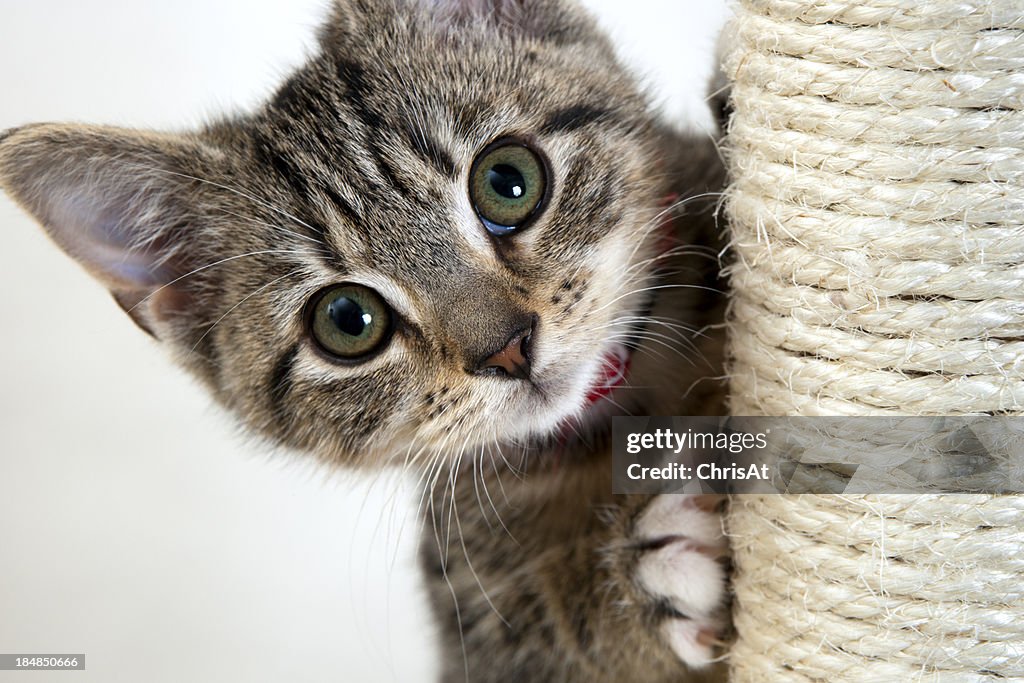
x: 877, y: 210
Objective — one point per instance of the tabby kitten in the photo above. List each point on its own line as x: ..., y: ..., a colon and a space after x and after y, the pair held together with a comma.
x: 445, y: 243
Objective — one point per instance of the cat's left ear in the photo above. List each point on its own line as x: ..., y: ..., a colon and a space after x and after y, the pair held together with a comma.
x: 121, y: 202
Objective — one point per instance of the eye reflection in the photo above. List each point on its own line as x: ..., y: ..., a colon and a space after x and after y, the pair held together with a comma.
x: 349, y: 321
x: 507, y: 186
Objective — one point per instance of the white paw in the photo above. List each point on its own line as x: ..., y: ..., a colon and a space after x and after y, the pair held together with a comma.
x: 684, y: 569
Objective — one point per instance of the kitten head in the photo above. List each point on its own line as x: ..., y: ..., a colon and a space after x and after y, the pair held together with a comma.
x: 431, y: 239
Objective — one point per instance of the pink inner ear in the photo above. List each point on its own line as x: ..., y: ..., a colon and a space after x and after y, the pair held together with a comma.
x: 93, y: 230
x: 113, y: 199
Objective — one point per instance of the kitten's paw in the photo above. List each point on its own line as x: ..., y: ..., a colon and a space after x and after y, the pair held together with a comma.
x: 682, y: 567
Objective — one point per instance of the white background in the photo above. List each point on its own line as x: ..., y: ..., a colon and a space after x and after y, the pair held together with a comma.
x: 137, y: 524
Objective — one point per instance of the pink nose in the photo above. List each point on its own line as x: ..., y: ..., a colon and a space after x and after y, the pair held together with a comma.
x: 514, y: 359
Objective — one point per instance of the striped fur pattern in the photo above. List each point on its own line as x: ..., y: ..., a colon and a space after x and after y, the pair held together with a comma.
x: 355, y: 171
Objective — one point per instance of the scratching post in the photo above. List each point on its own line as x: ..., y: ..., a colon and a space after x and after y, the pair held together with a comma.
x: 877, y: 207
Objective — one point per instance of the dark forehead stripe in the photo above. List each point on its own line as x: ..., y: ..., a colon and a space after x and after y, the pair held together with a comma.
x: 357, y: 98
x: 468, y: 115
x: 342, y: 205
x: 430, y: 151
x: 296, y: 101
x: 391, y: 172
x: 357, y: 93
x: 303, y: 184
x: 575, y: 117
x: 303, y: 216
x: 270, y: 156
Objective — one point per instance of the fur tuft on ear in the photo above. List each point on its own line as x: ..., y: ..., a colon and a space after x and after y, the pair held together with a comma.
x: 117, y: 200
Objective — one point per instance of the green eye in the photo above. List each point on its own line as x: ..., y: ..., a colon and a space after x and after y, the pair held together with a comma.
x: 507, y: 185
x: 349, y: 321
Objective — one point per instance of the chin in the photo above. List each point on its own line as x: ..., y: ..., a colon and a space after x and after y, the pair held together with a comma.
x: 576, y: 408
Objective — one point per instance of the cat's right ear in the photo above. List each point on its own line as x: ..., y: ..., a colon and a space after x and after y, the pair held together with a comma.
x: 121, y: 202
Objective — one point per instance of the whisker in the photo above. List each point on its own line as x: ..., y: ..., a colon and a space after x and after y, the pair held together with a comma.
x: 483, y: 480
x: 277, y: 228
x: 207, y: 267
x: 241, y: 193
x: 656, y: 288
x: 469, y: 563
x: 232, y: 309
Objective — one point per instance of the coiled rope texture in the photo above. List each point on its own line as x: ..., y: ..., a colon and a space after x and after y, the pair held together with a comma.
x: 877, y: 210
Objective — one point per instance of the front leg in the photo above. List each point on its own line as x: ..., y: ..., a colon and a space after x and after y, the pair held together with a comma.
x: 632, y: 590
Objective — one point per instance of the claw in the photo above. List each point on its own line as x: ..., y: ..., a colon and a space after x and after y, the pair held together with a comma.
x: 710, y: 638
x: 693, y: 644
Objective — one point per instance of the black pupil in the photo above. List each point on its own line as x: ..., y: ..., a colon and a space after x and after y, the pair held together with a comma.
x: 348, y: 316
x: 507, y: 181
